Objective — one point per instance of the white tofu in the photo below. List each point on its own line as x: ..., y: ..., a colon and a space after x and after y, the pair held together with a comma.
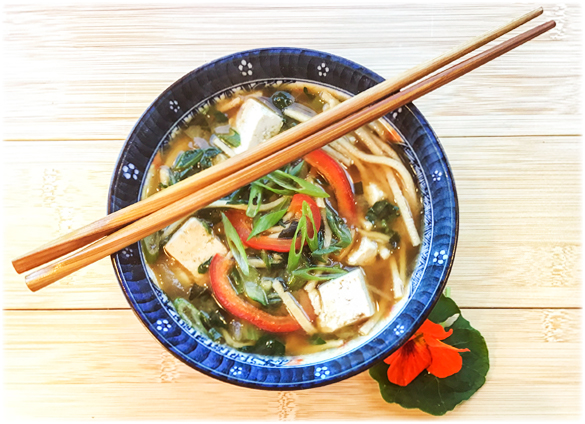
x: 373, y: 194
x: 256, y: 123
x: 365, y: 253
x: 343, y: 301
x: 191, y: 246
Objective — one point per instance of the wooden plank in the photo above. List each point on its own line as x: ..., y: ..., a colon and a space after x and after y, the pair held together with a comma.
x: 103, y: 364
x: 519, y: 240
x: 88, y: 72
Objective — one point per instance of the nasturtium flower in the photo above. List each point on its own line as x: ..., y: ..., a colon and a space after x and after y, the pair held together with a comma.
x: 424, y: 350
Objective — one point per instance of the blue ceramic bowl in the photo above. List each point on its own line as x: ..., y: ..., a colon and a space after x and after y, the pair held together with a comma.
x: 250, y: 69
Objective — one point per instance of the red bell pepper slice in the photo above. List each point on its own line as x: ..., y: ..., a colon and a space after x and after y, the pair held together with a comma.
x: 243, y: 225
x: 237, y: 306
x: 335, y: 175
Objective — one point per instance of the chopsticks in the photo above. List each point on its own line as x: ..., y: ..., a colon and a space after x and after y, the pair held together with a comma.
x: 98, y: 229
x: 271, y: 155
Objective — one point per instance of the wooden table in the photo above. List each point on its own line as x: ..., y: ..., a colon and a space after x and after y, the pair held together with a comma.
x: 77, y: 79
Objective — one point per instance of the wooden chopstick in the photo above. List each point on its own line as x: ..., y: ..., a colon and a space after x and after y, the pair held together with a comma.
x: 98, y: 229
x: 189, y: 204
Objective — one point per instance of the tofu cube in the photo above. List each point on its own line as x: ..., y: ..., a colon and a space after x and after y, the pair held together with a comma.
x: 373, y: 193
x: 256, y: 123
x: 192, y: 245
x: 365, y: 254
x: 343, y: 301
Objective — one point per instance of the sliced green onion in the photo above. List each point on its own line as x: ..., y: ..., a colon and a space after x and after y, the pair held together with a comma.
x: 235, y: 244
x: 190, y: 314
x: 319, y: 273
x: 313, y: 242
x: 295, y: 170
x: 289, y: 184
x: 151, y: 247
x: 267, y: 221
x: 232, y: 138
x: 255, y: 195
x: 294, y: 257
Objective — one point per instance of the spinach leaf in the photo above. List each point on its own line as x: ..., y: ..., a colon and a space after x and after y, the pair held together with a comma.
x: 255, y: 292
x: 187, y: 159
x: 204, y: 267
x: 282, y: 99
x: 338, y: 228
x: 382, y: 214
x: 267, y: 345
x: 267, y: 221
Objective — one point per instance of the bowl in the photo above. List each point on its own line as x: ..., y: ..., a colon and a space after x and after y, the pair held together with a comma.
x: 249, y: 69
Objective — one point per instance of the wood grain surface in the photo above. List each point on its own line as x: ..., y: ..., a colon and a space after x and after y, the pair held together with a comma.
x: 76, y: 79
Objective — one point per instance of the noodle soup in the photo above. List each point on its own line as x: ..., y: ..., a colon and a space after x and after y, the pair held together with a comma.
x: 302, y: 260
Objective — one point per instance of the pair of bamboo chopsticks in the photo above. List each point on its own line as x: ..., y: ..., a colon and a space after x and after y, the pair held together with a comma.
x: 137, y: 221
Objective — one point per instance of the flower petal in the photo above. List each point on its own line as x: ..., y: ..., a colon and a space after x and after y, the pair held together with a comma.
x: 408, y: 362
x: 445, y: 360
x: 436, y: 331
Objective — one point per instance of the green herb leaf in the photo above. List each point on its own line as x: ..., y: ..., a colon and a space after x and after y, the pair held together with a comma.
x: 326, y: 250
x: 295, y: 170
x: 235, y: 244
x: 204, y: 267
x: 232, y: 138
x: 255, y: 200
x: 338, y: 228
x: 319, y: 273
x: 267, y: 345
x: 267, y: 221
x: 434, y: 395
x: 382, y: 214
x: 255, y: 292
x: 282, y: 99
x: 187, y: 159
x: 316, y: 339
x: 309, y: 95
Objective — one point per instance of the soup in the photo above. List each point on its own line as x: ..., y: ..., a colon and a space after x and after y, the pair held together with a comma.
x: 302, y: 260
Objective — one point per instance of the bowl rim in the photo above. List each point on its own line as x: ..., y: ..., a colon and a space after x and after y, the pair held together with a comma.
x: 366, y: 362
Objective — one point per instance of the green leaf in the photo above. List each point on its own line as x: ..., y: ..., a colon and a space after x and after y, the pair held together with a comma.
x: 187, y: 159
x: 282, y: 99
x: 434, y: 395
x: 382, y: 215
x: 338, y: 228
x: 267, y: 221
x: 232, y: 138
x: 319, y: 273
x: 255, y: 292
x: 235, y: 244
x: 204, y: 267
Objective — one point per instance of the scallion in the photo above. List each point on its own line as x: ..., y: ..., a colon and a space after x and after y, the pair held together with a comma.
x: 235, y: 244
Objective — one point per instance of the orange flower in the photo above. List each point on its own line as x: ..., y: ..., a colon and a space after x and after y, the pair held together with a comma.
x: 424, y: 350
